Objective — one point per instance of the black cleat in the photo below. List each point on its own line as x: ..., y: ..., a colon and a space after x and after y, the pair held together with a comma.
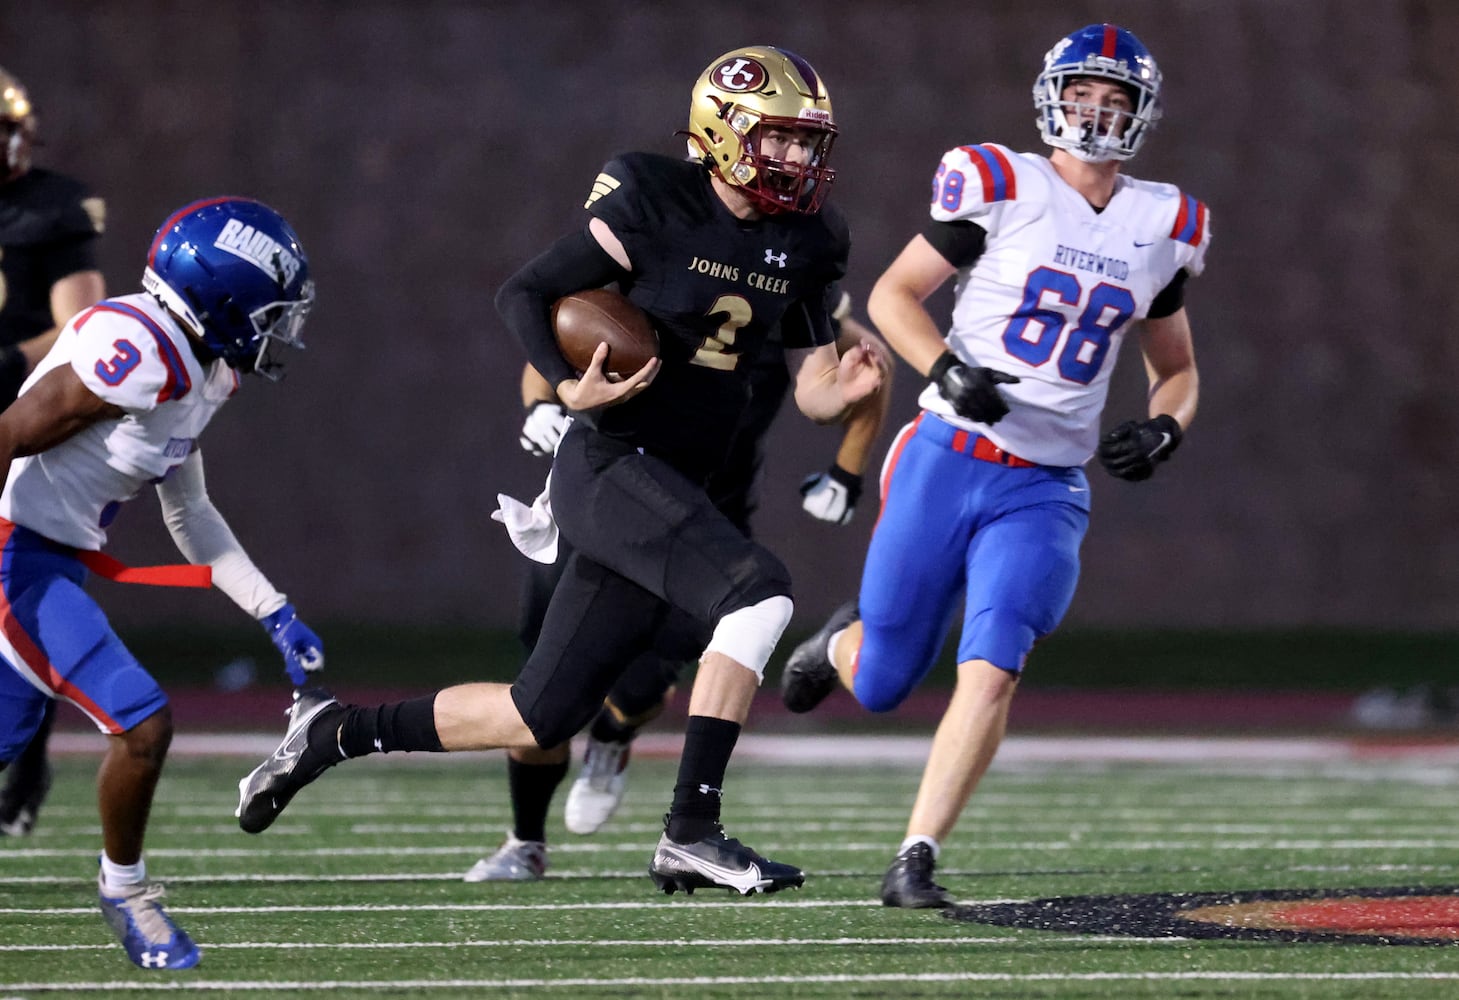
x: 908, y: 882
x: 719, y: 862
x: 809, y: 674
x: 20, y: 800
x: 267, y: 789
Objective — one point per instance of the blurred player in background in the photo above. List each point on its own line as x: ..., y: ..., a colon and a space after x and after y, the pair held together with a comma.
x: 718, y: 253
x: 985, y: 493
x: 49, y: 225
x: 643, y: 691
x: 118, y: 404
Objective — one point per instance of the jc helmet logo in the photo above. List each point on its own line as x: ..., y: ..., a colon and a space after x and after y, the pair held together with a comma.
x: 740, y: 75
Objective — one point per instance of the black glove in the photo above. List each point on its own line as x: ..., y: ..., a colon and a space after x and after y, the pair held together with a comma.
x: 1133, y: 449
x: 973, y: 392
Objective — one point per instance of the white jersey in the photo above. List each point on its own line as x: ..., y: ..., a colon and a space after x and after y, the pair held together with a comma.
x: 1055, y: 289
x: 130, y: 353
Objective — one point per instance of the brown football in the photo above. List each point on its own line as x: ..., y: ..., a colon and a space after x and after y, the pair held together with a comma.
x: 585, y: 319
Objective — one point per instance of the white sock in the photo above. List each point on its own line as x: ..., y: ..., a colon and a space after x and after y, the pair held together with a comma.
x: 831, y: 648
x: 116, y: 876
x: 920, y: 838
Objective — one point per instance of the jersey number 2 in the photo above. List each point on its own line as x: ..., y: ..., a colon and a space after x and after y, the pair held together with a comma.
x: 1034, y: 331
x: 714, y: 351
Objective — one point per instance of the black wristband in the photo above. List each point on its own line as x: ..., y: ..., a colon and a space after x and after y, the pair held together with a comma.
x: 941, y: 365
x: 850, y: 480
x: 1170, y: 426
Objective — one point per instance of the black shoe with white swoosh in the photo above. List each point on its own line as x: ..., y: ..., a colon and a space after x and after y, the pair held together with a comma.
x: 267, y: 789
x: 719, y: 862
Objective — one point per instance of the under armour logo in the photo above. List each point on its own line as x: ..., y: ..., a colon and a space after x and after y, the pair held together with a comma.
x: 154, y: 959
x: 771, y: 257
x: 710, y: 790
x: 379, y: 747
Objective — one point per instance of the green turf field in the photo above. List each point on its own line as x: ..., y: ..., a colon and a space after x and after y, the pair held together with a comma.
x: 356, y: 890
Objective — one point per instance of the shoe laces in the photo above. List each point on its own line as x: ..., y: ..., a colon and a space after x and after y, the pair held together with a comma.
x: 603, y: 762
x: 144, y: 903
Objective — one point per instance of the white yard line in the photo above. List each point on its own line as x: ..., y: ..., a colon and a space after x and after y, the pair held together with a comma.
x: 650, y: 982
x: 911, y: 751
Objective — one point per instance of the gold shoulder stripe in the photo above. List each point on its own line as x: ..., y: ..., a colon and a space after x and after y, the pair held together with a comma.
x: 604, y: 185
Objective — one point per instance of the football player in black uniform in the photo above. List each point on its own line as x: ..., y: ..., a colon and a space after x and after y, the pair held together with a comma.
x: 642, y: 692
x: 718, y: 253
x: 48, y: 229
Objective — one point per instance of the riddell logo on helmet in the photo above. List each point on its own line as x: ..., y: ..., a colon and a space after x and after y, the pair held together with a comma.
x: 259, y: 249
x: 813, y: 115
x: 740, y: 75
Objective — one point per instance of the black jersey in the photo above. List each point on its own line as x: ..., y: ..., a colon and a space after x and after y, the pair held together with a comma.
x: 48, y: 229
x: 715, y: 287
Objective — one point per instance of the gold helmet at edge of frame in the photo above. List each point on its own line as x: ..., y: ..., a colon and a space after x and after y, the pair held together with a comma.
x: 17, y: 117
x: 763, y: 85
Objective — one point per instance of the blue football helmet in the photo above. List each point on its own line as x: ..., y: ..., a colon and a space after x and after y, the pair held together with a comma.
x: 1107, y: 52
x: 232, y: 272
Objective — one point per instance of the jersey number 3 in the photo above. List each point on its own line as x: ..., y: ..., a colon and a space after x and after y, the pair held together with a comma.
x: 121, y: 363
x: 1034, y: 331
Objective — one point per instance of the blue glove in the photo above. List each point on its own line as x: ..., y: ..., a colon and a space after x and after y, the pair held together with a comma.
x: 303, y: 652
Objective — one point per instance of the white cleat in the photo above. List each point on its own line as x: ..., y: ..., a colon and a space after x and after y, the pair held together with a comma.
x: 515, y: 861
x: 598, y: 790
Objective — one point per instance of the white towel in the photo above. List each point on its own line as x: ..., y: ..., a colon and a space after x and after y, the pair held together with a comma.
x: 532, y: 529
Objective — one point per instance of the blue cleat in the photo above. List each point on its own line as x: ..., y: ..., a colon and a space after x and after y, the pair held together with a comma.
x: 152, y: 940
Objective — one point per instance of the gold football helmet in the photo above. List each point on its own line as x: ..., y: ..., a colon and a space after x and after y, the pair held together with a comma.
x: 17, y: 118
x: 758, y: 87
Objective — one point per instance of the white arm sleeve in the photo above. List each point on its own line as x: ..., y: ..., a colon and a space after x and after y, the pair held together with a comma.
x: 204, y: 538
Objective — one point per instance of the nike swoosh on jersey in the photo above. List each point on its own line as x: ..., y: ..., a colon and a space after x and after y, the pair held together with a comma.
x: 1139, y: 244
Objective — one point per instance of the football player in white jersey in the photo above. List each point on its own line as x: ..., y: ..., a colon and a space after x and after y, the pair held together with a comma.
x: 984, y: 494
x: 118, y: 403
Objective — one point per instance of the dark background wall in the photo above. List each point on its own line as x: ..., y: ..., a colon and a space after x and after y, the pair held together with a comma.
x: 425, y: 149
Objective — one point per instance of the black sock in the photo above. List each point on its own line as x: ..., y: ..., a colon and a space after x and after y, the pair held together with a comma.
x: 708, y: 743
x: 532, y: 787
x: 404, y: 725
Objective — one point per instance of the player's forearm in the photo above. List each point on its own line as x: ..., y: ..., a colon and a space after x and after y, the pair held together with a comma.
x: 1176, y: 394
x: 821, y: 400
x: 535, y: 388
x: 205, y: 539
x: 525, y: 302
x: 906, y: 325
x: 862, y: 427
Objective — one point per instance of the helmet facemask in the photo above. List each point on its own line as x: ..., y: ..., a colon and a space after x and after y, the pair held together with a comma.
x: 278, y: 325
x: 777, y: 185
